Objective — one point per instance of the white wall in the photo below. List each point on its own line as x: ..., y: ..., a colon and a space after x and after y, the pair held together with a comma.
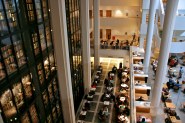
x: 120, y: 25
x: 119, y: 2
x: 181, y: 4
x: 177, y: 47
x: 120, y: 11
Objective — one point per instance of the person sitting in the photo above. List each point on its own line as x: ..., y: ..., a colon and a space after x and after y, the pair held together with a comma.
x: 101, y: 115
x: 143, y: 120
x: 114, y: 69
x: 140, y: 99
x: 87, y: 105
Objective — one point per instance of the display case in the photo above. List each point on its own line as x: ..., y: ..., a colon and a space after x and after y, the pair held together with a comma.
x: 25, y: 118
x: 35, y: 43
x: 40, y: 73
x: 34, y: 114
x: 46, y: 67
x: 42, y: 37
x: 11, y: 14
x: 19, y: 51
x: 18, y: 94
x: 7, y: 104
x: 45, y: 98
x: 27, y: 84
x: 30, y: 11
x: 8, y: 56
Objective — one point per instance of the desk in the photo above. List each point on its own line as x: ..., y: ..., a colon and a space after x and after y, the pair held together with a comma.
x: 147, y: 116
x: 174, y: 120
x: 106, y: 103
x: 145, y: 96
x: 170, y: 105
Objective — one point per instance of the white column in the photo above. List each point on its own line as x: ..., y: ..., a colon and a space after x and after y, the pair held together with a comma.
x: 96, y: 4
x: 58, y: 17
x: 141, y: 41
x: 84, y: 11
x: 144, y: 12
x: 168, y: 27
x: 150, y: 30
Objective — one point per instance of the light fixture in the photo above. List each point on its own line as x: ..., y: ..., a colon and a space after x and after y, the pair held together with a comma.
x: 118, y: 13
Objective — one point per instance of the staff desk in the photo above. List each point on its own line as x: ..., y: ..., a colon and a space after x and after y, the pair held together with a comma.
x: 170, y: 105
x: 145, y: 96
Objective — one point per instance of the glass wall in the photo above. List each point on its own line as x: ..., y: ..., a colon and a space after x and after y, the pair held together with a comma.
x: 74, y: 38
x: 29, y: 90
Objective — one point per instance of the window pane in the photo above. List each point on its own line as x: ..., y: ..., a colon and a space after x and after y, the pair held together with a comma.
x: 42, y: 37
x: 45, y: 9
x: 9, y: 59
x: 45, y: 98
x: 2, y: 72
x: 49, y: 119
x: 18, y: 94
x: 18, y: 46
x: 33, y: 114
x: 35, y: 43
x: 11, y: 14
x: 40, y: 73
x: 7, y: 104
x: 52, y: 62
x: 26, y: 80
x: 48, y: 36
x: 50, y: 91
x: 30, y: 11
x: 38, y: 10
x: 3, y: 25
x: 46, y: 67
x: 25, y: 118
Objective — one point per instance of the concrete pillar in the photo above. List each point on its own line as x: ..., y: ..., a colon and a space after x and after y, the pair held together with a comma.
x: 150, y: 30
x: 169, y: 22
x: 84, y: 12
x: 96, y: 4
x: 59, y: 25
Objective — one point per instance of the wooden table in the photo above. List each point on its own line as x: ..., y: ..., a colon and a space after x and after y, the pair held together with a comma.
x: 170, y: 105
x: 145, y: 96
x: 146, y: 115
x: 174, y: 120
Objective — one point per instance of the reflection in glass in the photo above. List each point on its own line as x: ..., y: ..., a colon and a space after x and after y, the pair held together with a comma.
x: 35, y: 43
x: 11, y: 14
x: 25, y: 118
x: 38, y: 10
x: 46, y: 67
x: 7, y: 104
x: 40, y: 73
x: 18, y: 94
x: 42, y: 37
x: 45, y: 98
x: 19, y: 50
x: 27, y: 86
x: 9, y: 59
x: 33, y: 114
